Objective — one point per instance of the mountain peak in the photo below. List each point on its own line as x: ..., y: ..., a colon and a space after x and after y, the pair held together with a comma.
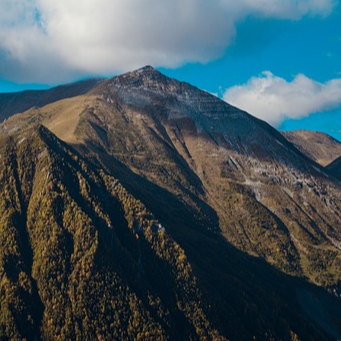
x: 146, y: 68
x: 148, y: 72
x: 146, y: 77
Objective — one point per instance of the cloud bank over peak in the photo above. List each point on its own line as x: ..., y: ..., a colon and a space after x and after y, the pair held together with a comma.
x: 273, y: 99
x: 44, y: 40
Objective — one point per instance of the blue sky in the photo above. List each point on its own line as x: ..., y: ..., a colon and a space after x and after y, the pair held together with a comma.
x: 278, y: 59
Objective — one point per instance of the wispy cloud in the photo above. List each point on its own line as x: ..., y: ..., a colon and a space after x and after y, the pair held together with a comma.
x: 274, y: 99
x: 43, y: 38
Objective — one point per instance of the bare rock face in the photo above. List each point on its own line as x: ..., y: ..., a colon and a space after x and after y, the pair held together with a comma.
x: 190, y: 219
x: 320, y: 147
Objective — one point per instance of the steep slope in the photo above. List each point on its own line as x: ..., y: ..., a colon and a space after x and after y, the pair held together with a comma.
x: 320, y: 147
x: 81, y: 258
x: 16, y: 102
x: 154, y: 133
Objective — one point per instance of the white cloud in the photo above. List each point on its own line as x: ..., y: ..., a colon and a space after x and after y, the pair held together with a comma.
x: 42, y: 38
x: 280, y: 9
x: 273, y: 99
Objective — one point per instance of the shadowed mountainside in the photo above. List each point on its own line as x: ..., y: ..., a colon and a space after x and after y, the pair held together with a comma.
x: 75, y: 244
x: 335, y: 168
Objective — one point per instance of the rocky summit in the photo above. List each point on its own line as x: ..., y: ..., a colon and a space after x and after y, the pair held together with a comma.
x: 142, y: 208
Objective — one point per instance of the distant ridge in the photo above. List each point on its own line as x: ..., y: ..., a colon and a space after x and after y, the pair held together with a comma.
x: 17, y: 102
x: 318, y: 146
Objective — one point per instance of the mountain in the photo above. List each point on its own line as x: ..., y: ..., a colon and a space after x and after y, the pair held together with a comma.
x: 320, y: 147
x: 15, y: 102
x: 271, y: 200
x: 165, y: 213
